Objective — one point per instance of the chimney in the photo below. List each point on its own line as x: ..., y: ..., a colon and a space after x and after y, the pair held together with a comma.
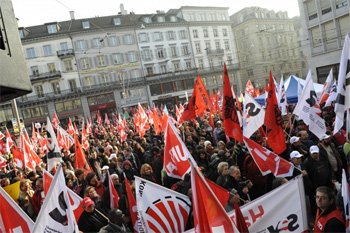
x: 72, y: 17
x: 122, y: 10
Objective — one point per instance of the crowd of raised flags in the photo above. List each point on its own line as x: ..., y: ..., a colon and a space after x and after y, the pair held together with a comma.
x: 169, y: 211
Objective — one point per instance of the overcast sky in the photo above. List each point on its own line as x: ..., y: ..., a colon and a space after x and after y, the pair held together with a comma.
x: 37, y: 12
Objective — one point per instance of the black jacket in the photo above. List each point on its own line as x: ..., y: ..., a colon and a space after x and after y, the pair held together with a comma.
x: 91, y: 222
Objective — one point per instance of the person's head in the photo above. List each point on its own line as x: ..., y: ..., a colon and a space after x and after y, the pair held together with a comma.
x: 25, y: 185
x: 221, y: 145
x: 223, y: 168
x: 324, y: 197
x: 127, y: 151
x: 91, y: 178
x: 325, y: 139
x: 39, y: 183
x: 304, y: 136
x: 235, y: 172
x: 90, y: 192
x: 295, y: 157
x: 218, y: 124
x: 5, y: 181
x: 315, y: 152
x: 155, y: 150
x: 115, y: 179
x: 146, y: 169
x: 116, y: 216
x: 127, y: 165
x: 295, y: 141
x: 79, y: 173
x: 234, y: 196
x: 88, y: 205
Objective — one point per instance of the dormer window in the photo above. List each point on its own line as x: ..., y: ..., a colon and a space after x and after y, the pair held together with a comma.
x: 21, y: 33
x: 116, y: 21
x: 160, y: 19
x: 86, y: 24
x: 173, y: 18
x: 147, y: 20
x: 52, y: 28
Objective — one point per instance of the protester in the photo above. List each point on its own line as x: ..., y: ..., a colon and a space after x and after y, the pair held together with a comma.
x: 92, y: 219
x: 115, y: 223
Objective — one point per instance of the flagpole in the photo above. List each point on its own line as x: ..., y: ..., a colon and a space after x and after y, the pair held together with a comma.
x: 101, y: 214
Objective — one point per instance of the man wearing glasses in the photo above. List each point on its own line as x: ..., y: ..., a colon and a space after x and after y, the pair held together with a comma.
x: 329, y: 218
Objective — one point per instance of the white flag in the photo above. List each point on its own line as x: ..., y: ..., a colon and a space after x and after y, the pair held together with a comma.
x: 161, y: 209
x: 348, y: 124
x: 327, y: 87
x: 300, y: 90
x: 54, y: 153
x: 332, y: 95
x: 307, y: 108
x: 56, y: 214
x: 342, y: 103
x: 282, y: 100
x: 253, y: 116
x: 346, y: 198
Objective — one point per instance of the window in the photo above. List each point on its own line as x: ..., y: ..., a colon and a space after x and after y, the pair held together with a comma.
x: 250, y: 72
x: 179, y: 85
x: 149, y: 70
x: 344, y: 25
x: 132, y: 57
x: 147, y: 55
x: 21, y: 33
x: 173, y: 51
x: 34, y: 70
x: 51, y: 67
x: 89, y: 81
x: 204, y: 80
x: 47, y: 50
x: 207, y: 45
x: 39, y: 91
x: 26, y: 113
x: 72, y: 85
x: 31, y: 53
x: 105, y: 79
x: 68, y: 65
x: 311, y: 10
x: 101, y: 60
x: 163, y: 69
x: 200, y: 64
x: 64, y: 46
x: 158, y: 36
x: 86, y: 24
x: 185, y: 50
x: 77, y: 103
x: 96, y: 43
x: 147, y: 20
x: 195, y: 33
x: 85, y: 63
x: 188, y: 65
x: 160, y: 53
x: 316, y: 36
x: 128, y: 39
x: 68, y: 105
x: 112, y: 41
x: 341, y: 3
x: 224, y: 32
x: 198, y: 48
x: 168, y: 87
x: 171, y: 35
x: 215, y: 32
x: 81, y: 45
x: 116, y: 21
x: 143, y: 37
x: 52, y: 28
x: 213, y: 79
x: 176, y: 66
x: 205, y: 32
x: 189, y: 83
x: 56, y: 88
x: 183, y: 34
x: 117, y: 58
x: 160, y: 19
x: 35, y: 112
x: 211, y: 63
x: 155, y: 89
x: 227, y: 45
x: 217, y: 46
x: 331, y: 33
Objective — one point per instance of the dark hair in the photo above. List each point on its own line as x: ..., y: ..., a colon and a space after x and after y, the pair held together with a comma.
x: 327, y: 190
x: 78, y: 172
x: 89, y: 176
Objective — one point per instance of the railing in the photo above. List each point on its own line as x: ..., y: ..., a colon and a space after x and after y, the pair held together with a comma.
x: 47, y: 96
x: 65, y: 53
x: 46, y: 75
x: 215, y: 51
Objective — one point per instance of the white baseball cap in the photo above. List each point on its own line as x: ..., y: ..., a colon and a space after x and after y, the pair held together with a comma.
x: 295, y: 154
x: 294, y: 139
x: 324, y: 136
x: 314, y: 149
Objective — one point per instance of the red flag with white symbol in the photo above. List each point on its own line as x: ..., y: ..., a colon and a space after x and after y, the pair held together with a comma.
x: 249, y: 88
x: 71, y: 129
x: 64, y: 140
x: 113, y: 194
x: 84, y: 139
x: 99, y: 118
x: 9, y: 141
x: 107, y: 119
x: 55, y: 122
x: 132, y: 205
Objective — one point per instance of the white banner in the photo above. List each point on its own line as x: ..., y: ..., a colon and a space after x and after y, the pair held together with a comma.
x: 161, y: 209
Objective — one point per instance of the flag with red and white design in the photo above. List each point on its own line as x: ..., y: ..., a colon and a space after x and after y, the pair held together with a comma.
x: 31, y: 159
x: 99, y: 118
x: 53, y: 152
x: 34, y: 138
x: 2, y: 146
x: 113, y: 194
x: 253, y: 116
x: 55, y: 122
x: 1, y: 135
x: 70, y: 127
x: 249, y: 88
x: 88, y: 126
x: 84, y: 139
x: 143, y: 120
x: 267, y: 161
x: 2, y: 162
x: 327, y: 87
x: 64, y: 139
x: 167, y: 211
x: 176, y: 154
x: 107, y: 119
x: 346, y: 200
x: 132, y: 206
x: 12, y: 217
x: 43, y: 147
x: 9, y: 141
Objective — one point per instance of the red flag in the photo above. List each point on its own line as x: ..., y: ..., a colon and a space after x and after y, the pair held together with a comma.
x: 75, y: 129
x: 84, y: 139
x: 2, y: 135
x: 132, y: 205
x: 202, y: 100
x: 176, y: 154
x: 230, y: 117
x: 113, y: 194
x: 157, y: 123
x: 9, y: 141
x: 99, y: 118
x: 43, y: 147
x: 257, y: 92
x: 55, y: 122
x: 34, y: 138
x: 143, y: 121
x: 249, y: 88
x: 267, y: 161
x: 71, y: 129
x: 12, y: 217
x: 178, y: 114
x: 190, y: 109
x: 107, y: 119
x: 240, y: 221
x: 273, y: 121
x: 221, y: 193
x: 80, y: 158
x: 164, y: 121
x: 2, y: 161
x: 64, y: 140
x: 208, y: 213
x: 18, y: 156
x: 88, y: 125
x: 30, y: 157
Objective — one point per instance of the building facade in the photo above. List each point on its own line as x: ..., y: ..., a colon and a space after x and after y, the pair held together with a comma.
x: 266, y: 41
x: 325, y: 24
x: 81, y: 66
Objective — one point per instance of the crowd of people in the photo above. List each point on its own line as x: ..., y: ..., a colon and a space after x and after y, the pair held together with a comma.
x: 319, y: 158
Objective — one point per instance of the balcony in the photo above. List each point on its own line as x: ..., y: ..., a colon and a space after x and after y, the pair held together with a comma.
x: 47, y: 96
x: 215, y: 51
x: 65, y: 53
x: 45, y: 76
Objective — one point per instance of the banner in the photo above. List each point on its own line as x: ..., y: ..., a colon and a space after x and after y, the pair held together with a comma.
x: 161, y: 209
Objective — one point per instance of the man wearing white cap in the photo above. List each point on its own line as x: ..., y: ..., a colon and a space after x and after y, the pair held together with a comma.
x: 327, y: 150
x: 295, y: 145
